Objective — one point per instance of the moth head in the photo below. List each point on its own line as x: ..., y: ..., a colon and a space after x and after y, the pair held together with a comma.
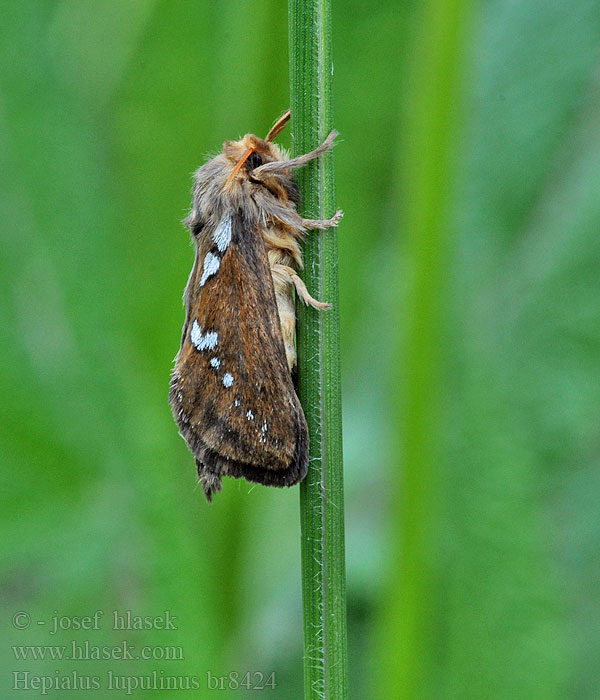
x: 251, y: 152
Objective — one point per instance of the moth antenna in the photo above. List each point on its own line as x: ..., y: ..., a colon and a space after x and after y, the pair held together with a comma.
x: 279, y: 126
x: 241, y: 162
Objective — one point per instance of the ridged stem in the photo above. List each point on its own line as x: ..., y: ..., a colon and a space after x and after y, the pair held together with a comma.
x: 321, y: 493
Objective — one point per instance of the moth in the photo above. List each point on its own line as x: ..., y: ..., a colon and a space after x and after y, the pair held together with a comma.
x: 232, y: 391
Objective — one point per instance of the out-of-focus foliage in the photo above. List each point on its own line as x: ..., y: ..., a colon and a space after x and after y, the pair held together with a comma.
x: 106, y: 108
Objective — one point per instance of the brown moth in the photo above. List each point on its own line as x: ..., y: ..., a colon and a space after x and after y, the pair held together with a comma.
x: 232, y: 392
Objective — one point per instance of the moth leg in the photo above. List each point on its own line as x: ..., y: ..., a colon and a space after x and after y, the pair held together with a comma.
x: 324, y: 223
x: 278, y: 166
x: 301, y: 288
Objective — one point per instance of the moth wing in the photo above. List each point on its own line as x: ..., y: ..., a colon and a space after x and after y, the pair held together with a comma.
x: 231, y: 391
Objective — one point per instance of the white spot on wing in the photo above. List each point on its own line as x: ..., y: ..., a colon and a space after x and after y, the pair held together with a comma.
x: 264, y: 427
x: 227, y: 380
x: 222, y: 235
x: 250, y: 415
x: 236, y: 403
x: 206, y: 341
x: 215, y: 362
x: 211, y: 266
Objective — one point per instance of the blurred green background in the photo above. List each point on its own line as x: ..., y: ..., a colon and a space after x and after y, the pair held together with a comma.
x: 106, y: 108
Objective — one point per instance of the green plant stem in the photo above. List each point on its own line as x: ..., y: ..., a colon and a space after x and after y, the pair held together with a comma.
x: 321, y: 493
